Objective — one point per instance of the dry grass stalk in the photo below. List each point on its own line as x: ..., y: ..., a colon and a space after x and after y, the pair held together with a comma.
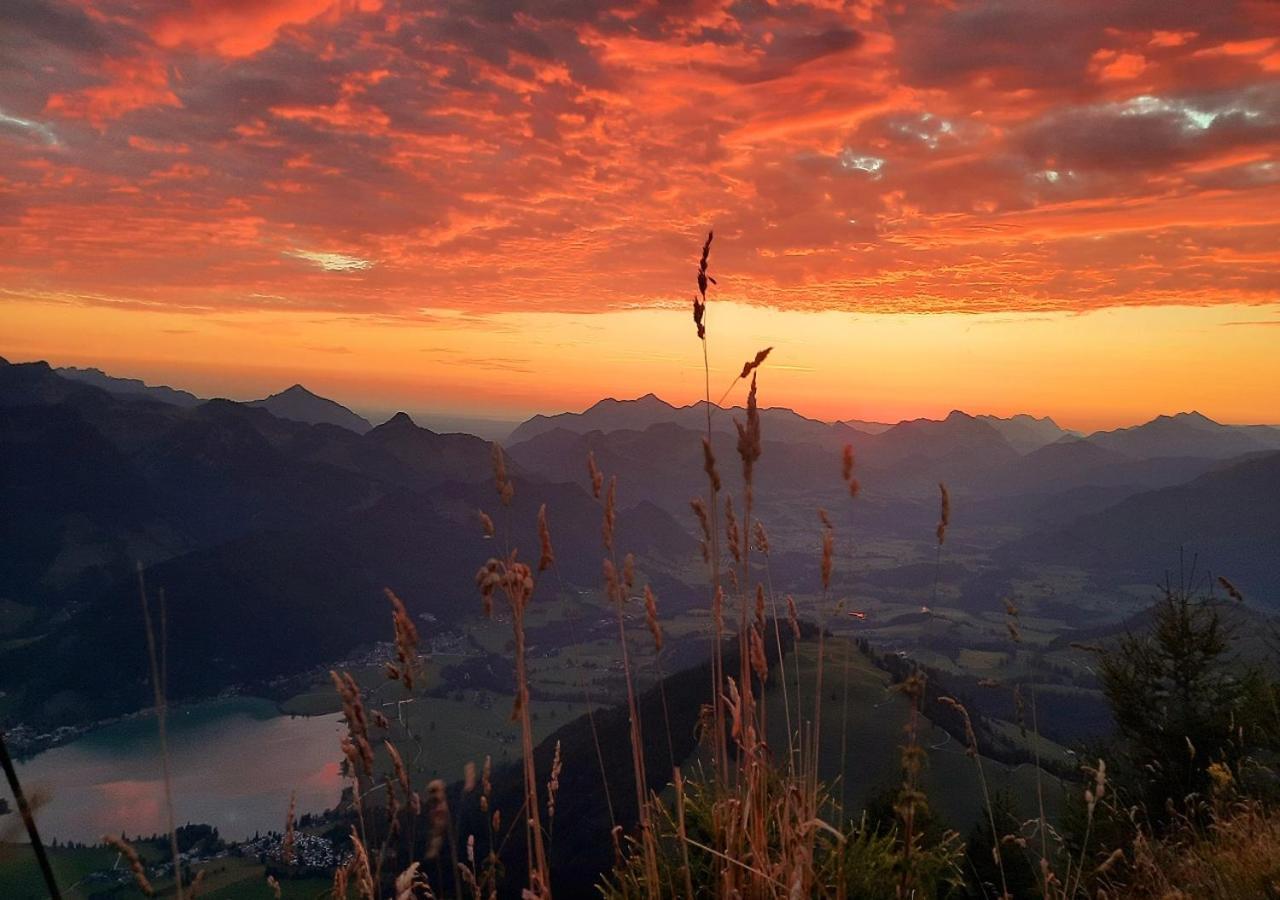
x: 597, y: 478
x: 828, y: 549
x: 709, y: 465
x: 355, y: 744
x: 410, y: 882
x: 506, y: 490
x: 273, y: 886
x: 406, y: 642
x: 749, y: 435
x: 971, y: 750
x: 437, y: 817
x: 911, y: 800
x: 732, y: 533
x: 944, y: 513
x: 553, y: 784
x: 159, y: 679
x: 340, y: 879
x: 760, y: 538
x: 846, y: 470
x: 401, y: 773
x: 610, y: 513
x: 486, y: 523
x: 704, y: 522
x: 752, y: 364
x: 360, y: 868
x: 700, y: 299
x: 286, y: 846
x: 1232, y: 591
x: 792, y: 617
x: 759, y: 663
x: 651, y: 618
x: 546, y: 556
x: 516, y: 582
x: 135, y: 862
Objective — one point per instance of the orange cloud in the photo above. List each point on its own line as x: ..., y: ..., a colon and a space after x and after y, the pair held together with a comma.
x: 131, y: 84
x: 1117, y: 65
x: 234, y: 28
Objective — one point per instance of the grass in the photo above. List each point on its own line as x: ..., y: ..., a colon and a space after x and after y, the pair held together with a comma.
x: 21, y: 877
x: 229, y: 877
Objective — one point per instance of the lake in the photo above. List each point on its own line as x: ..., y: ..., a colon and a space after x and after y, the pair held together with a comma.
x: 234, y: 763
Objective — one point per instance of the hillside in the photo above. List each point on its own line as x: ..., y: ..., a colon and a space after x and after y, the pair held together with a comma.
x: 1227, y: 520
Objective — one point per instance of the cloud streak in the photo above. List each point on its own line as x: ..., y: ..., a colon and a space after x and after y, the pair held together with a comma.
x: 332, y: 262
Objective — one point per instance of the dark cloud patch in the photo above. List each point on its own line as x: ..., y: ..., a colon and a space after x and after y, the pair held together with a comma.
x: 49, y: 22
x: 1148, y: 132
x: 1047, y: 46
x: 788, y: 51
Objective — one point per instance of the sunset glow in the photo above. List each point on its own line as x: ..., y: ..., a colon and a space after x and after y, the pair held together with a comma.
x: 495, y: 208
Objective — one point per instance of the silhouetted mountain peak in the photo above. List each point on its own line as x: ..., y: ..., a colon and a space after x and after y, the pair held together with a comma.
x: 1187, y: 434
x: 298, y: 404
x: 400, y: 422
x: 649, y: 402
x: 1194, y: 418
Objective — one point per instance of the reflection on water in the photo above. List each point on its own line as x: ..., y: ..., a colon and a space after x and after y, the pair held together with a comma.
x: 234, y: 764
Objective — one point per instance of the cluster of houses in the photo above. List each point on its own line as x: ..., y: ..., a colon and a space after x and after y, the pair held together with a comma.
x: 310, y: 851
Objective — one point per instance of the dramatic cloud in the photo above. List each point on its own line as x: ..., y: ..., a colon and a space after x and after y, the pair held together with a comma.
x: 568, y: 154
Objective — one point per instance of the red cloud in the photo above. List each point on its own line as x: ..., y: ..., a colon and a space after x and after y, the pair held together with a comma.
x: 240, y: 28
x: 131, y: 84
x: 564, y: 155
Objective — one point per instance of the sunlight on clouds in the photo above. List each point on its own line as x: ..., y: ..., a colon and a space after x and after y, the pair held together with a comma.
x: 43, y: 131
x: 332, y: 262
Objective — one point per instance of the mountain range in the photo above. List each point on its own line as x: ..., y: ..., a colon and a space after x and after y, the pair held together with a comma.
x: 273, y: 525
x: 272, y: 538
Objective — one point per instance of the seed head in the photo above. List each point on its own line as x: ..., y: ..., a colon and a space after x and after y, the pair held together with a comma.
x: 597, y: 477
x: 506, y: 490
x: 792, y: 617
x: 651, y: 618
x: 547, y: 556
x: 731, y: 529
x: 610, y: 513
x: 944, y: 513
x: 759, y: 663
x: 553, y: 784
x: 752, y: 364
x: 761, y: 538
x: 749, y: 436
x: 709, y: 465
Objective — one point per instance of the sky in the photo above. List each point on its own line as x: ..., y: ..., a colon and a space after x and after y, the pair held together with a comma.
x: 496, y: 207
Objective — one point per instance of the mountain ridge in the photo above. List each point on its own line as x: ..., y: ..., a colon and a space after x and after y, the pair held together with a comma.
x: 302, y: 405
